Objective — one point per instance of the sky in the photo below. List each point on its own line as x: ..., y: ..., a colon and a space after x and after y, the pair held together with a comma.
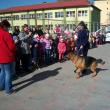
x: 11, y: 3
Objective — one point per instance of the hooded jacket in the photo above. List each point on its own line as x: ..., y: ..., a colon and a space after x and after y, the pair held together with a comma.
x: 7, y: 47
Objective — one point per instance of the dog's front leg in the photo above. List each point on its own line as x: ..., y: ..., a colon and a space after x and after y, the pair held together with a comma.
x: 78, y: 71
x: 75, y: 70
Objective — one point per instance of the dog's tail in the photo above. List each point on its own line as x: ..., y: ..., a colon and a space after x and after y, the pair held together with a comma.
x: 100, y: 61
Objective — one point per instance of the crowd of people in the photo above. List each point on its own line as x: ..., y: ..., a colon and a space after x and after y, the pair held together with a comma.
x: 96, y: 39
x: 28, y: 48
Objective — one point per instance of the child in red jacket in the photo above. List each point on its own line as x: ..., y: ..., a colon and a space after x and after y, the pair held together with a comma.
x: 61, y: 48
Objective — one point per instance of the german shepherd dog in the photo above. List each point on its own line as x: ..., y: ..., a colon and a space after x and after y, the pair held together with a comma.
x: 81, y: 63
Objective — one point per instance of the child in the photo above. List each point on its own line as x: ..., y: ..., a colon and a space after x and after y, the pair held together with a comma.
x: 72, y: 44
x: 67, y: 33
x: 61, y: 49
x: 68, y: 48
x: 34, y: 48
x: 58, y: 30
x: 48, y: 47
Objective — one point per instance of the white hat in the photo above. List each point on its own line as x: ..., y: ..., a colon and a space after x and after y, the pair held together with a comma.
x: 35, y: 36
x: 61, y: 36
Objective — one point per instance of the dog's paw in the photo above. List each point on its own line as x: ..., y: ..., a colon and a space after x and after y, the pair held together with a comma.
x: 93, y: 75
x: 77, y: 77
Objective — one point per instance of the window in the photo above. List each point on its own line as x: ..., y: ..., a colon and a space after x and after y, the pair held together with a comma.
x: 50, y: 27
x: 70, y: 14
x: 85, y: 12
x: 32, y: 16
x: 48, y: 15
x: 15, y: 17
x: 5, y: 17
x: 2, y: 18
x: 24, y: 16
x: 39, y: 15
x: 79, y: 13
x: 59, y: 14
x: 82, y: 13
x: 8, y: 17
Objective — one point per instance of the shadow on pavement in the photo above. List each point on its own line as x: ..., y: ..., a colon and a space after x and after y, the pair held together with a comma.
x: 36, y: 78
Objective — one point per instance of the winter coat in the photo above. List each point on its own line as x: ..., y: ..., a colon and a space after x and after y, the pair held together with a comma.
x: 61, y: 47
x: 7, y: 47
x: 48, y: 44
x: 25, y: 42
x: 82, y: 38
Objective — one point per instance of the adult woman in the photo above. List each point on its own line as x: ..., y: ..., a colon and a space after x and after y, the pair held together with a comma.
x: 25, y: 42
x: 7, y: 57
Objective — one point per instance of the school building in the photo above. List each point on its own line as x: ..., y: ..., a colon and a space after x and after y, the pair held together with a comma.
x: 66, y: 13
x: 104, y: 5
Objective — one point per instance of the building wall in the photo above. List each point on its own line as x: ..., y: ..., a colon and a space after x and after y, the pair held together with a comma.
x: 20, y: 21
x: 104, y: 5
x: 50, y: 18
x: 96, y: 18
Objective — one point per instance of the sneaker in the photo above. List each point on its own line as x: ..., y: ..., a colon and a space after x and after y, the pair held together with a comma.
x: 10, y: 92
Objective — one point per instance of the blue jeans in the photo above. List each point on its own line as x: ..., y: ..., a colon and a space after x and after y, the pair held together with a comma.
x: 6, y: 77
x: 34, y: 54
x: 47, y: 56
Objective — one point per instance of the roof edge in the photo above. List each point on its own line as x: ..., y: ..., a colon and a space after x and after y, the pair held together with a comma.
x: 46, y: 6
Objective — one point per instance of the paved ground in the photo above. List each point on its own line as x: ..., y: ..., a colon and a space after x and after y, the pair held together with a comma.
x: 55, y: 88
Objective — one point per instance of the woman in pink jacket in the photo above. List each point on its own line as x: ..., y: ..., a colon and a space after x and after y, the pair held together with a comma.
x: 61, y: 48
